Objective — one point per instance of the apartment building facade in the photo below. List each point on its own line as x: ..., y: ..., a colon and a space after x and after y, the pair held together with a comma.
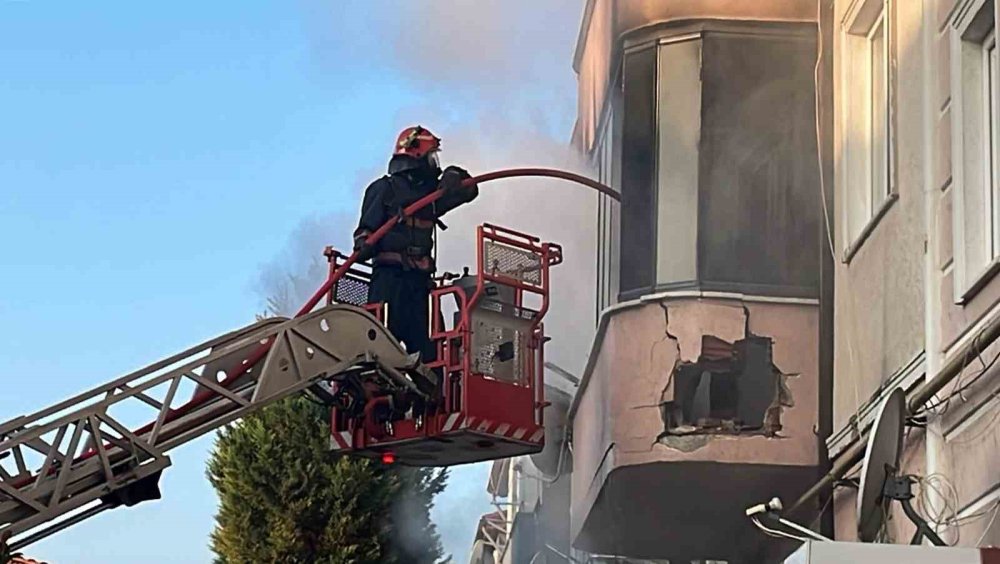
x: 701, y: 396
x: 916, y: 236
x: 701, y: 392
x: 809, y: 218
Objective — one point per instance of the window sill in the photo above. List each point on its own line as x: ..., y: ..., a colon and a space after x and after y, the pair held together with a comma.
x: 869, y: 228
x: 705, y: 287
x: 980, y: 282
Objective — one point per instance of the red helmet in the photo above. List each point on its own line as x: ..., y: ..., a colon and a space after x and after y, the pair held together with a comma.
x: 416, y: 142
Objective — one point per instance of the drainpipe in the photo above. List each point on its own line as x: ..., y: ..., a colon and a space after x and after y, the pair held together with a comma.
x: 934, y: 444
x: 827, y: 273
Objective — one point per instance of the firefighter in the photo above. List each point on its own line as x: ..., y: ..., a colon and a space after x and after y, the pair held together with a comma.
x: 403, y: 260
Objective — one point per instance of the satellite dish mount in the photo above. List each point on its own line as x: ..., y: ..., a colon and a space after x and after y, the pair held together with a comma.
x: 880, y: 482
x: 900, y: 488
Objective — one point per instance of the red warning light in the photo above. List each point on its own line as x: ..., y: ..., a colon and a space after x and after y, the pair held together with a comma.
x: 388, y: 458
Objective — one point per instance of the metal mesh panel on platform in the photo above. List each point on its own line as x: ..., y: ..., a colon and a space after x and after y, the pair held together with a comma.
x: 353, y: 291
x: 514, y: 263
x: 489, y: 357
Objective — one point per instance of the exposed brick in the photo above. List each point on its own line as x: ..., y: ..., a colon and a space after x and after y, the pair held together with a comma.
x: 943, y: 47
x: 942, y: 231
x: 942, y: 149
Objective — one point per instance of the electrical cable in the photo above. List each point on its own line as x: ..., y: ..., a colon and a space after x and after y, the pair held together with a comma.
x: 883, y: 535
x: 565, y: 557
x: 819, y: 127
x: 960, y: 387
x: 946, y: 515
x: 775, y: 532
x: 987, y: 428
x: 817, y: 115
x: 972, y: 518
x: 854, y: 451
x: 822, y: 510
x: 989, y: 525
x: 961, y: 375
x: 562, y: 456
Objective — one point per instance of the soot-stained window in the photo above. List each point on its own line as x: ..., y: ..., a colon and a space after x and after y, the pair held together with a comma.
x: 638, y: 168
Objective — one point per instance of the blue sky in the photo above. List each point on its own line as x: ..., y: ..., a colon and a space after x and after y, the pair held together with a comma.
x: 156, y: 158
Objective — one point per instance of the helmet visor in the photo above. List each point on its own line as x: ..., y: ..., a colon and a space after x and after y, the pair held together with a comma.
x: 434, y: 160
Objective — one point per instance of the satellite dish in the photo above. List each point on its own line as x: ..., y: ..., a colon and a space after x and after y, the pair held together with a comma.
x: 881, y: 462
x: 881, y: 482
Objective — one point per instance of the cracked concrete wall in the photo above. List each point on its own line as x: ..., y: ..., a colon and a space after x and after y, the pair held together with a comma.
x: 728, y: 332
x: 618, y: 420
x: 635, y: 418
x: 726, y: 321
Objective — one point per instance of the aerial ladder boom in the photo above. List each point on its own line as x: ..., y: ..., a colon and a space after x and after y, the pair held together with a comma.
x: 80, y: 456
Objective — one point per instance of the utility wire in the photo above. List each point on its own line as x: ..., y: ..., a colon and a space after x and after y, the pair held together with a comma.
x: 819, y: 128
x: 996, y: 510
x: 775, y: 532
x: 960, y: 389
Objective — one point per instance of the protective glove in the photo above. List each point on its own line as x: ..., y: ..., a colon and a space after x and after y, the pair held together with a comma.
x: 364, y: 250
x: 451, y: 182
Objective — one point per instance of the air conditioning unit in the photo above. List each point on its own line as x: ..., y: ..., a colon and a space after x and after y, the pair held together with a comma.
x: 817, y: 552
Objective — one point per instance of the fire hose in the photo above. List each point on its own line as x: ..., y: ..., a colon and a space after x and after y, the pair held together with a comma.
x: 432, y: 197
x: 203, y: 395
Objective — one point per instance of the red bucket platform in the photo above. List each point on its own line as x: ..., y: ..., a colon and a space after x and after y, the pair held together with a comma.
x: 487, y: 327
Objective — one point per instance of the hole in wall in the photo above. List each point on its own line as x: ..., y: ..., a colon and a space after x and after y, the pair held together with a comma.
x: 732, y: 388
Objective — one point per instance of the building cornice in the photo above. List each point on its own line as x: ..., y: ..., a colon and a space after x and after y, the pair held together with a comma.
x: 581, y: 38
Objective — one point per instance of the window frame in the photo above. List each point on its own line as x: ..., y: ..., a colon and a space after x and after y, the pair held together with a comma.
x: 607, y: 163
x: 672, y: 194
x: 990, y: 186
x: 975, y: 110
x: 883, y: 123
x: 858, y: 30
x: 638, y: 173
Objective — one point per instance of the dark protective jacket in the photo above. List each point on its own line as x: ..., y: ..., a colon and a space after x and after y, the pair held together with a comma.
x: 412, y: 240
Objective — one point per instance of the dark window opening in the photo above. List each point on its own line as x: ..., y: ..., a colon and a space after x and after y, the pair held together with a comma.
x: 731, y: 388
x: 638, y: 172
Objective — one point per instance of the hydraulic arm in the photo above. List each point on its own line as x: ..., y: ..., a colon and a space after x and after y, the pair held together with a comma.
x: 81, y: 455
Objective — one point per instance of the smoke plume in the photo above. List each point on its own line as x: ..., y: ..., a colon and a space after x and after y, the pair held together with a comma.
x: 493, y: 79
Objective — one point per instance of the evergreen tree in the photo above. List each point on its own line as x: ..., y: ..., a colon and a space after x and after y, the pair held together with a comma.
x: 285, y: 498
